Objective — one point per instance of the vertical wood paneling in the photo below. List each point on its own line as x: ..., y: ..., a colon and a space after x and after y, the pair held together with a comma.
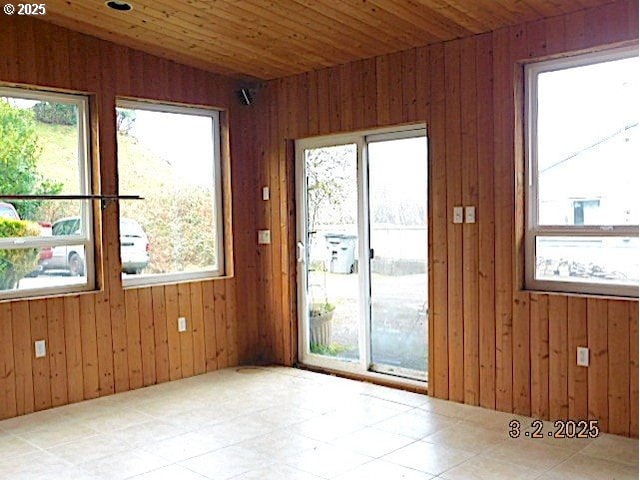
x: 558, y: 358
x: 633, y: 369
x: 109, y: 340
x: 539, y: 317
x: 134, y: 350
x: 209, y: 321
x: 485, y: 213
x: 439, y: 379
x: 73, y: 349
x: 7, y: 366
x: 598, y: 374
x: 577, y: 378
x: 22, y: 355
x: 469, y: 149
x: 618, y: 388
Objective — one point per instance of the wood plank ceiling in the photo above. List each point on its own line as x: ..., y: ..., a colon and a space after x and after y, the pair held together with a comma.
x: 267, y: 39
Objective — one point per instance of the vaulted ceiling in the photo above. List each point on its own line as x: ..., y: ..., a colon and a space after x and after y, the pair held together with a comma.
x: 266, y: 39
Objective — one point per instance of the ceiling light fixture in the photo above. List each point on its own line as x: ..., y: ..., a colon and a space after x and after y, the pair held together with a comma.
x: 119, y: 6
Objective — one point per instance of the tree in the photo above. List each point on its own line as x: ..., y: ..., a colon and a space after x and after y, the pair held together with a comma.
x: 56, y: 113
x: 19, y: 153
x: 125, y: 119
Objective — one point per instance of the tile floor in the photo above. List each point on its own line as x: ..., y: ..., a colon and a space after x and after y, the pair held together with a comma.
x: 286, y: 424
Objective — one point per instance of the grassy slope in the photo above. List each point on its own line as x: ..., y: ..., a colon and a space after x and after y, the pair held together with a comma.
x: 58, y: 161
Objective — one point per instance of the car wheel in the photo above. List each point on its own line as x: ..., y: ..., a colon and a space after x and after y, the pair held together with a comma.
x: 76, y: 266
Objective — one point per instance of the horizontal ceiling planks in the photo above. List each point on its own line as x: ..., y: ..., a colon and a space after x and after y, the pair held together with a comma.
x: 491, y: 343
x: 262, y: 39
x: 111, y: 340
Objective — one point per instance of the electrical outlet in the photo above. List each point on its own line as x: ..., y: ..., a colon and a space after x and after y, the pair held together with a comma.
x: 458, y: 214
x: 583, y: 357
x: 264, y: 237
x: 182, y: 324
x: 41, y: 348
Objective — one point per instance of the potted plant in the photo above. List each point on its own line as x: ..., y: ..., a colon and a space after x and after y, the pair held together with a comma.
x: 320, y: 316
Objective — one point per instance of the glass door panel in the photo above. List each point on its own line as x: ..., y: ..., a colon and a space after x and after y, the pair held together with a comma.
x: 397, y: 171
x: 331, y: 246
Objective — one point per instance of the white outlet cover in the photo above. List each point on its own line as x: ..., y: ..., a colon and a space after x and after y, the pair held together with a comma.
x: 583, y: 357
x: 264, y: 237
x: 182, y: 324
x: 41, y: 348
x: 265, y: 193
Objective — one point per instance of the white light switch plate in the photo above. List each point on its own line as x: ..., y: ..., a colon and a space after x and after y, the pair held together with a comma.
x: 457, y: 214
x: 265, y: 193
x: 264, y: 237
x: 470, y: 214
x: 41, y: 349
x: 182, y: 324
x: 583, y: 357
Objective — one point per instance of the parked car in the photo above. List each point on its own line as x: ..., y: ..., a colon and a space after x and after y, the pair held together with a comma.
x: 8, y: 211
x: 134, y: 248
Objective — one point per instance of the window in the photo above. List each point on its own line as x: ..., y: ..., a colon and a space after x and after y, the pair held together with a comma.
x: 170, y: 156
x: 582, y: 174
x: 46, y: 246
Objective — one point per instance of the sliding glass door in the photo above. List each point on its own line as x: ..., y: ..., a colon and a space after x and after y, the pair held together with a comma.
x: 362, y: 252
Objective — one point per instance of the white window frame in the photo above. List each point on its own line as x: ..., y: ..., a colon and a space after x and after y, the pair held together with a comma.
x: 533, y: 229
x: 218, y: 213
x: 86, y: 236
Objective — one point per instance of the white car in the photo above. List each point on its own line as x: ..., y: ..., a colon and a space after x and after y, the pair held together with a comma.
x: 134, y: 248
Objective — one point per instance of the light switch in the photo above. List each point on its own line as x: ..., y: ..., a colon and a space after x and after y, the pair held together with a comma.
x: 470, y: 214
x: 265, y: 193
x: 457, y: 214
x: 264, y: 237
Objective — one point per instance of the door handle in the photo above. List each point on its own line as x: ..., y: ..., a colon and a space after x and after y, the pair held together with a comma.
x: 301, y: 252
x: 372, y: 253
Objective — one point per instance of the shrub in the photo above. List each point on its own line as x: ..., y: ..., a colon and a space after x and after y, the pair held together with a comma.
x: 16, y: 263
x: 55, y: 113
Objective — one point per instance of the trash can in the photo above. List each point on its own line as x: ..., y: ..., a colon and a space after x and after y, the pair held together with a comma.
x: 342, y: 252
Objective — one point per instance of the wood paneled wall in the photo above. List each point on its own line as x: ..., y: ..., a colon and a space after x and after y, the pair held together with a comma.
x: 492, y: 343
x: 111, y: 340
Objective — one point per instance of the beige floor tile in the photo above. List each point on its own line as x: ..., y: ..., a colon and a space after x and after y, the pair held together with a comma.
x: 379, y: 469
x: 585, y: 467
x: 124, y: 465
x: 485, y: 468
x: 529, y: 453
x: 90, y: 448
x: 171, y: 472
x: 615, y: 448
x: 116, y: 420
x: 59, y: 433
x: 277, y: 472
x: 371, y: 442
x: 327, y: 461
x: 395, y: 395
x: 449, y: 409
x: 284, y: 415
x: 428, y: 457
x: 466, y: 436
x: 147, y: 432
x: 227, y: 462
x: 186, y: 445
x: 327, y: 427
x: 415, y: 423
x: 12, y: 446
x: 280, y: 444
x: 33, y: 421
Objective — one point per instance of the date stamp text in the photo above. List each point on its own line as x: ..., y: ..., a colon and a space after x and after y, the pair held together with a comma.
x: 561, y: 429
x: 25, y: 9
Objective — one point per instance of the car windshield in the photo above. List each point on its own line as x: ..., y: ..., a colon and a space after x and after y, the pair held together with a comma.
x: 131, y: 228
x: 7, y: 212
x: 66, y: 227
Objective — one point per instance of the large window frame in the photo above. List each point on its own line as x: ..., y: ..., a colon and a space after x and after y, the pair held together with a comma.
x: 130, y: 281
x: 533, y: 229
x: 85, y: 237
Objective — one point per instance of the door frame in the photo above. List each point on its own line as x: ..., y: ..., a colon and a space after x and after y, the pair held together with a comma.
x: 362, y: 366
